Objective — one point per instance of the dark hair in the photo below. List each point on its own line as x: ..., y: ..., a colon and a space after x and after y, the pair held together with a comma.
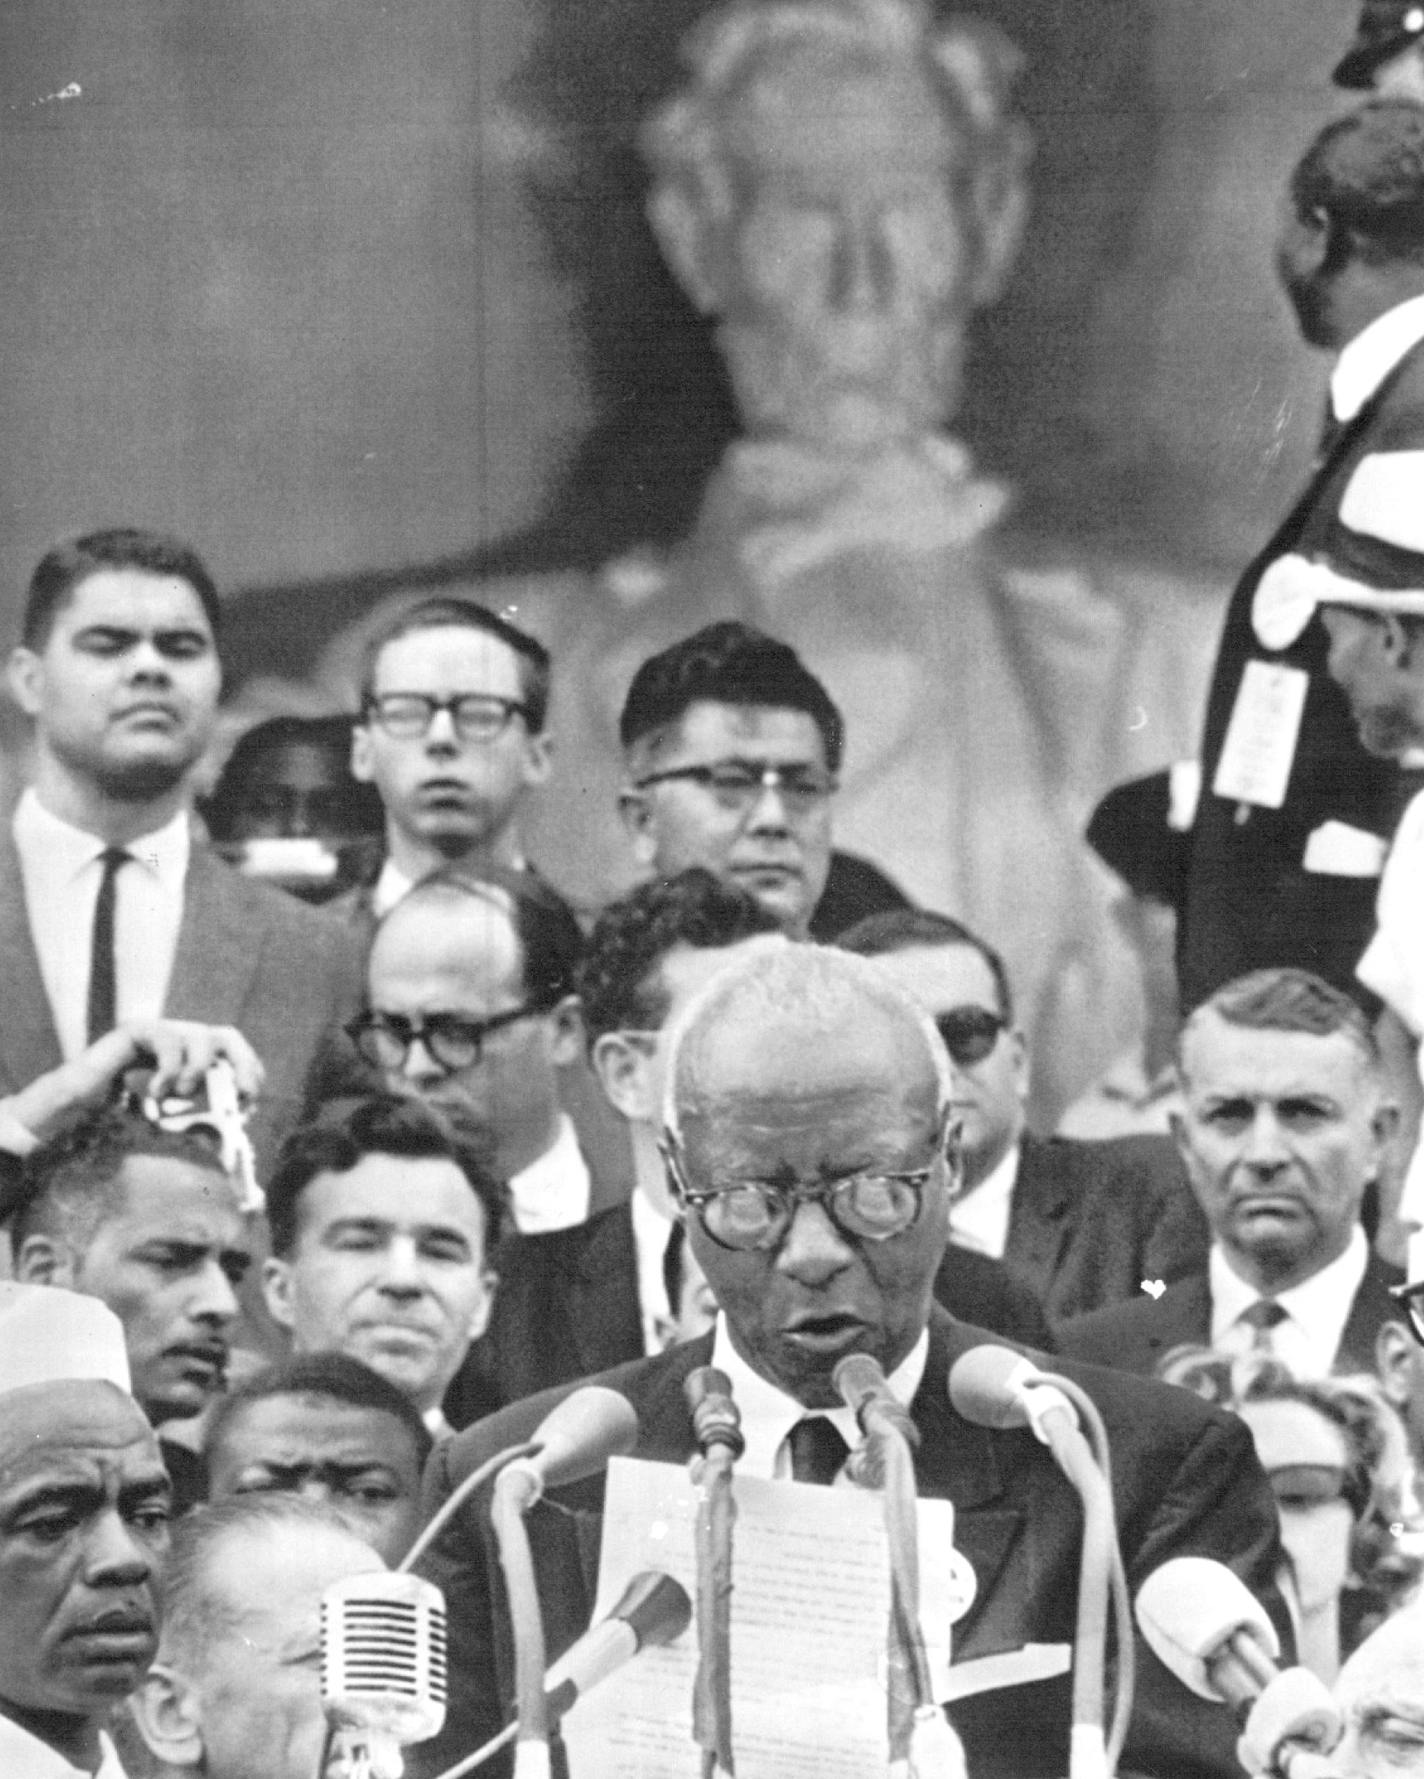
x: 342, y: 1134
x: 727, y: 663
x: 331, y: 735
x: 618, y: 980
x: 1364, y: 173
x: 334, y: 1375
x: 61, y: 569
x: 535, y: 666
x: 898, y: 929
x: 1288, y: 1000
x: 69, y: 1185
x: 551, y: 941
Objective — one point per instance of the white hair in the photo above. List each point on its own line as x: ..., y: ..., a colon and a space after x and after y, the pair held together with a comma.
x: 775, y: 978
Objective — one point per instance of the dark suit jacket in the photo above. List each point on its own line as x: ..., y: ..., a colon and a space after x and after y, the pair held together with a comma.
x: 1090, y: 1220
x: 1185, y: 1480
x: 283, y: 973
x: 1249, y: 901
x: 1136, y: 1336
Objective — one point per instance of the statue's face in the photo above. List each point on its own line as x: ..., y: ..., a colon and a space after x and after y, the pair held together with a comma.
x: 846, y: 272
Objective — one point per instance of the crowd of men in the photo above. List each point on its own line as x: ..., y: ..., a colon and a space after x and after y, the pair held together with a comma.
x: 760, y: 1112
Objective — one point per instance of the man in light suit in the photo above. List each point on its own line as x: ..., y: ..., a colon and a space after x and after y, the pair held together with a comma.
x: 1283, y: 1129
x: 1083, y: 1223
x: 814, y: 1161
x: 1295, y: 815
x: 109, y: 910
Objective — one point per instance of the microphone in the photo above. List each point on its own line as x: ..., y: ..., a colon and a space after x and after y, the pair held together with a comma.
x: 653, y: 1609
x: 862, y: 1387
x: 1201, y: 1622
x: 574, y: 1440
x: 996, y: 1387
x: 716, y: 1419
x: 382, y: 1667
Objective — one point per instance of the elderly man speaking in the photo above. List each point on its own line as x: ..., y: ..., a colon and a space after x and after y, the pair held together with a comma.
x: 813, y: 1163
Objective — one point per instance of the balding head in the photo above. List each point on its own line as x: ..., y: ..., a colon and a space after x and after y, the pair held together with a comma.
x: 1381, y: 1696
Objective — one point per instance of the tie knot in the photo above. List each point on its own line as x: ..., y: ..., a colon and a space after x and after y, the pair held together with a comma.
x: 1265, y: 1313
x: 818, y: 1452
x: 114, y: 856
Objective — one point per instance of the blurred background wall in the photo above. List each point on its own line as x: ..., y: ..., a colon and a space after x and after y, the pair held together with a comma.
x: 358, y: 294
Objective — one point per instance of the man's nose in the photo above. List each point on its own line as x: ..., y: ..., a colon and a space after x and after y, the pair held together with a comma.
x: 442, y: 737
x: 419, y: 1070
x: 113, y: 1555
x: 1264, y: 1146
x: 813, y: 1250
x: 313, y: 1488
x: 768, y: 812
x: 213, y: 1298
x: 862, y: 267
x: 146, y: 662
x: 401, y: 1273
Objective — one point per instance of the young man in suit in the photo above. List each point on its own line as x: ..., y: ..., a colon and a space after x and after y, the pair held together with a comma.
x: 1295, y: 815
x: 812, y: 1136
x: 1283, y: 1128
x: 109, y: 909
x: 1083, y: 1223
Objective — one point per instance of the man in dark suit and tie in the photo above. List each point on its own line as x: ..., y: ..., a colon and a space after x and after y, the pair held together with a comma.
x: 1283, y: 1128
x: 812, y: 1147
x: 1083, y: 1223
x: 1295, y: 816
x: 109, y: 909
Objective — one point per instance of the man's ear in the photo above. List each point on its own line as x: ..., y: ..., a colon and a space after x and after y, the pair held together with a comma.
x: 165, y: 1709
x: 25, y: 673
x: 636, y: 814
x: 538, y: 758
x: 277, y: 1290
x: 44, y: 1261
x: 361, y: 766
x: 1397, y: 1355
x: 484, y: 1309
x: 567, y: 1032
x: 1023, y: 1068
x: 621, y: 1064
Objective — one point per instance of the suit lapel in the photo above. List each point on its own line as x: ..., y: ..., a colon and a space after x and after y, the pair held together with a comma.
x: 1038, y: 1224
x: 219, y: 945
x: 1370, y: 1307
x: 604, y: 1315
x: 29, y: 1044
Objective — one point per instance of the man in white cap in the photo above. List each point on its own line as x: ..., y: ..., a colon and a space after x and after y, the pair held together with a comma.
x: 84, y: 1504
x: 1366, y: 578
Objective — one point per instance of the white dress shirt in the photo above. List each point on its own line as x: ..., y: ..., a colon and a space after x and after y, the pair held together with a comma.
x: 62, y: 869
x: 979, y: 1219
x: 651, y: 1231
x: 553, y: 1192
x: 768, y: 1414
x: 390, y: 887
x: 23, y: 1756
x: 1316, y: 1311
x: 1373, y: 353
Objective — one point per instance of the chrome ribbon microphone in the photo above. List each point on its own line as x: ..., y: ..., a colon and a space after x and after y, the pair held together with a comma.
x: 382, y: 1668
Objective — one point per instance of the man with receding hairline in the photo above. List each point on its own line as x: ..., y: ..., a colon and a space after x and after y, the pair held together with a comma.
x: 812, y: 1159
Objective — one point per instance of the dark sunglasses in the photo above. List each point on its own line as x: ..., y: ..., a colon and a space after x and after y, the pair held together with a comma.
x: 969, y: 1033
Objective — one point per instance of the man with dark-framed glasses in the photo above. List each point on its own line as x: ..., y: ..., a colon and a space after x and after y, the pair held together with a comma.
x: 1083, y: 1223
x: 811, y: 1136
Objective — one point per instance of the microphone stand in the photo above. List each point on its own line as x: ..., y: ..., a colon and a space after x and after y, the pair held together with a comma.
x: 531, y: 1748
x: 717, y: 1427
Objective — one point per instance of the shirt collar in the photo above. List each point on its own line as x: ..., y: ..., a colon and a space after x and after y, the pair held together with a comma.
x: 390, y: 887
x: 768, y: 1413
x: 553, y: 1191
x: 1315, y: 1301
x: 1373, y: 353
x: 979, y: 1218
x: 22, y: 1753
x: 69, y: 850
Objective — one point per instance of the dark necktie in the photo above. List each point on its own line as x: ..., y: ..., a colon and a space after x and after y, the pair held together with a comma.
x: 1330, y: 430
x: 103, y: 985
x: 817, y: 1450
x: 1264, y: 1316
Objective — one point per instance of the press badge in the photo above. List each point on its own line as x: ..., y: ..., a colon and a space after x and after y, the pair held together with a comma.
x: 1259, y: 749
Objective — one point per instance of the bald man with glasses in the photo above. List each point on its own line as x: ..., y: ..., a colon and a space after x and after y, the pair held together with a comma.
x: 1084, y: 1224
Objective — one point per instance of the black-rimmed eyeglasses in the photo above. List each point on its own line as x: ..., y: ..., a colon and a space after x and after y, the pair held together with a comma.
x: 738, y: 784
x: 754, y: 1215
x: 1410, y: 1298
x: 454, y: 1041
x: 406, y: 716
x: 969, y: 1033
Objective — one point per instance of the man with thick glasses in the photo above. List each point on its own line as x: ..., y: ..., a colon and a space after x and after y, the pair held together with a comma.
x: 812, y: 1154
x: 731, y: 754
x: 1083, y: 1223
x: 472, y: 1009
x: 451, y: 733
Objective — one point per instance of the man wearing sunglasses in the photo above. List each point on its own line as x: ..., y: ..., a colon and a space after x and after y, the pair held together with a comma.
x: 1083, y: 1223
x: 810, y: 1148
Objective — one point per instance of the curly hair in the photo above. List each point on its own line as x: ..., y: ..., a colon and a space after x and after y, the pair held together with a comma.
x: 1364, y: 174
